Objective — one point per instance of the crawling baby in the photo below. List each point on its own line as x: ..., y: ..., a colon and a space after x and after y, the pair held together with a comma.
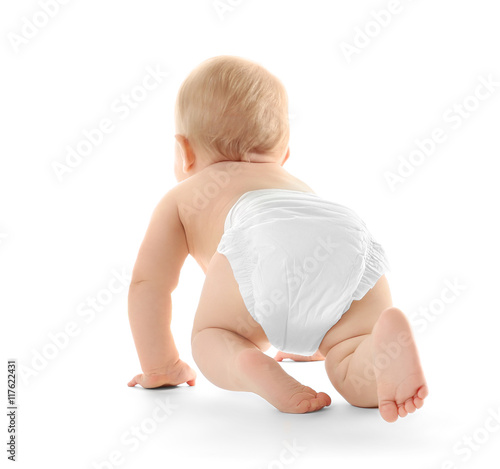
x: 284, y: 267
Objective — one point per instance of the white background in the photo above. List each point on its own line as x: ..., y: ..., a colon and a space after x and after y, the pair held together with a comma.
x: 351, y: 122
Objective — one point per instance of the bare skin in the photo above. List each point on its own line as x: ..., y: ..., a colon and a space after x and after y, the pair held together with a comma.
x: 227, y: 344
x: 280, y: 356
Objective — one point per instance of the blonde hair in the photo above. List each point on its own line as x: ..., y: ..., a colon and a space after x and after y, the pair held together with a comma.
x: 230, y: 106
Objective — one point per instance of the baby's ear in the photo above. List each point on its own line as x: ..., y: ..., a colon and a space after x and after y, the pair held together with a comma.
x: 287, y: 155
x: 180, y: 141
x: 186, y: 152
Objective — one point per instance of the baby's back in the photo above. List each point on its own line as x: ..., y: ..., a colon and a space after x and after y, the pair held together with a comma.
x: 205, y: 199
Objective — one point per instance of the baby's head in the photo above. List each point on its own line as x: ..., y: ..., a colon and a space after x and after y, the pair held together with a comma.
x: 230, y: 109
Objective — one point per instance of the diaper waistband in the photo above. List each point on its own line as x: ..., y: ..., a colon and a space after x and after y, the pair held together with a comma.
x: 255, y: 202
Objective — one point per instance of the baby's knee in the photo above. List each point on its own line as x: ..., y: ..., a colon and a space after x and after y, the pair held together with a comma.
x: 194, y: 333
x: 357, y: 398
x: 355, y: 389
x: 200, y: 334
x: 198, y: 343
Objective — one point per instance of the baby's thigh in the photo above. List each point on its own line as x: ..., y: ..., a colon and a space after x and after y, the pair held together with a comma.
x: 222, y: 306
x: 360, y: 318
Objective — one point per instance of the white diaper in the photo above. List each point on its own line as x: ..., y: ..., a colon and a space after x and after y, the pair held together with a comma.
x: 299, y: 261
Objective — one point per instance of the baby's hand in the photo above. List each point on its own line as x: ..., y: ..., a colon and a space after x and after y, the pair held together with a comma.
x: 299, y: 358
x: 179, y: 373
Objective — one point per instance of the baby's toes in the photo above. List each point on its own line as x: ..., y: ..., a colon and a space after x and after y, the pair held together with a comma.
x: 314, y: 404
x: 423, y: 392
x: 388, y: 410
x: 303, y: 407
x: 322, y: 400
x: 402, y: 411
x: 410, y: 406
x: 279, y: 356
x: 317, y: 400
x: 307, y: 400
x: 418, y: 402
x: 325, y: 398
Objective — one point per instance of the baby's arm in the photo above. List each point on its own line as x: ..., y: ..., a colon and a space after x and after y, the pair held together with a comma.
x: 155, y: 276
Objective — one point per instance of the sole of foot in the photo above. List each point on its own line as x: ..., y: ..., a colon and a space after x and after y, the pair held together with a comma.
x: 401, y: 384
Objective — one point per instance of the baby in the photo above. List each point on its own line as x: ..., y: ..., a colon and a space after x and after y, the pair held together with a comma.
x: 284, y: 267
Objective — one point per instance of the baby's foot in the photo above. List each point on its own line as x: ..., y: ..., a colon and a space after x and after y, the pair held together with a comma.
x: 265, y: 377
x: 298, y: 358
x: 401, y: 384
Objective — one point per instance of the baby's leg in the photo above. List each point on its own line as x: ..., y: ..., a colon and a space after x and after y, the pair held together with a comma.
x: 372, y: 359
x: 227, y: 346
